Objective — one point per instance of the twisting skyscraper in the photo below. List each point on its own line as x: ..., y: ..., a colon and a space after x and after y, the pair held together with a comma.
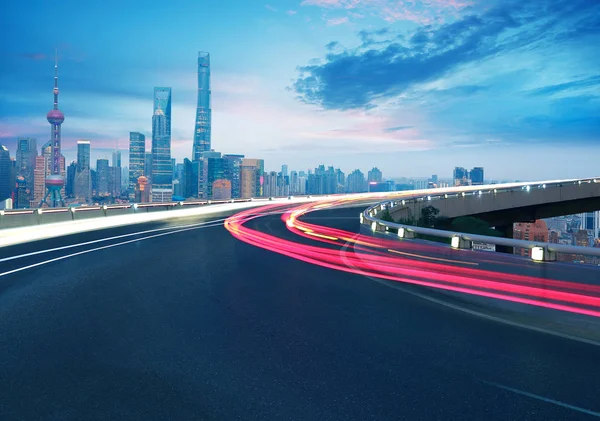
x: 203, y: 113
x: 55, y: 181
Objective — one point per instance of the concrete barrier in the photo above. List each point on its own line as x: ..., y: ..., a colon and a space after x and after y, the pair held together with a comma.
x: 57, y: 215
x: 87, y: 212
x: 16, y: 219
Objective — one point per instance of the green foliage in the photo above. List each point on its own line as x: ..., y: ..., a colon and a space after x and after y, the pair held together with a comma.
x: 428, y: 216
x: 472, y: 225
x: 386, y: 216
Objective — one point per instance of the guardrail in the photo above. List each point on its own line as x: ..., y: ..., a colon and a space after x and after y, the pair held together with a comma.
x: 540, y: 251
x: 15, y: 218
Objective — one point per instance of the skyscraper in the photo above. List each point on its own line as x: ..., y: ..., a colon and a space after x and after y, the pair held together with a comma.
x: 137, y: 155
x: 103, y: 174
x: 202, y: 128
x: 374, y: 175
x: 461, y: 176
x: 55, y: 182
x: 233, y: 167
x: 476, y: 176
x: 5, y: 170
x: 25, y: 163
x: 162, y: 172
x: 251, y: 178
x: 116, y: 158
x: 162, y: 100
x: 83, y: 175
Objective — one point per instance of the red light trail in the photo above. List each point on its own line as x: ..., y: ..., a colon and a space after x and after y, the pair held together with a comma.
x: 385, y: 259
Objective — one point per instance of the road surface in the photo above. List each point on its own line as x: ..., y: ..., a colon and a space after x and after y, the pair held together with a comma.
x: 196, y: 325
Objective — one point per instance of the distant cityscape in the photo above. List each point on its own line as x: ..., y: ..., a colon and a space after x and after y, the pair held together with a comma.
x: 34, y: 174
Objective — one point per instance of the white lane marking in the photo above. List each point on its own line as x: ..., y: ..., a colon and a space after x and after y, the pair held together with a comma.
x: 399, y: 287
x: 174, y: 231
x: 107, y: 239
x: 100, y: 240
x: 66, y: 256
x: 544, y: 399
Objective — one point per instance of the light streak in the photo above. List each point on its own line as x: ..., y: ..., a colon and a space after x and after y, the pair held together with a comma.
x: 370, y: 257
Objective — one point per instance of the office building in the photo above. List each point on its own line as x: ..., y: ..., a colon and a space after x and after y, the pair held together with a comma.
x: 591, y: 221
x: 233, y: 169
x: 192, y: 180
x: 116, y: 158
x: 251, y: 178
x: 284, y: 170
x: 202, y: 128
x: 83, y: 175
x: 70, y: 179
x: 21, y: 193
x: 148, y: 166
x: 25, y: 162
x: 214, y: 169
x: 461, y: 176
x: 476, y: 176
x: 162, y: 101
x: 536, y: 231
x: 5, y: 174
x: 103, y: 177
x: 162, y: 171
x: 221, y: 189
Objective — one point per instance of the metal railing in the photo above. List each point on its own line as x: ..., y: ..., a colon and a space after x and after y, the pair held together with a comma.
x: 541, y: 251
x: 15, y: 218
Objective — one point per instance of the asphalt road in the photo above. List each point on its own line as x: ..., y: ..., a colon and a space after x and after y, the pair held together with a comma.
x: 198, y: 325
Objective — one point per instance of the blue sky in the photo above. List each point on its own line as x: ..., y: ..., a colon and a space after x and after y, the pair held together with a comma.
x: 414, y: 87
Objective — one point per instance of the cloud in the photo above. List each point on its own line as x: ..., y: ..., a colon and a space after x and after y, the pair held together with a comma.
x: 271, y: 8
x: 35, y: 56
x: 589, y: 82
x: 397, y: 128
x: 421, y: 11
x: 358, y: 78
x: 291, y: 12
x: 337, y: 21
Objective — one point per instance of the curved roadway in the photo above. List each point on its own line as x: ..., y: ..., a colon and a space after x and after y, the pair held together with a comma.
x: 186, y: 322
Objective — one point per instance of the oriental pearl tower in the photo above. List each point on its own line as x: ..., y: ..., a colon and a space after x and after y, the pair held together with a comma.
x: 55, y: 181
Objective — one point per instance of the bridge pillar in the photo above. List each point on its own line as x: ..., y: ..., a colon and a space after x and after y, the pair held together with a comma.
x: 507, y: 232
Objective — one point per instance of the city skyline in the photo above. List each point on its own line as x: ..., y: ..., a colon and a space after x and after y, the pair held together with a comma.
x: 455, y: 83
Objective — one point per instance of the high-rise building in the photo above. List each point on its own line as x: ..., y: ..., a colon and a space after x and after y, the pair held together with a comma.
x: 535, y: 231
x: 55, y: 181
x: 70, y: 182
x: 22, y: 193
x: 591, y: 221
x: 5, y: 174
x: 116, y: 158
x: 162, y: 171
x: 192, y: 178
x: 83, y: 175
x: 25, y: 162
x: 137, y: 155
x: 251, y: 178
x: 221, y: 189
x: 202, y: 127
x: 356, y: 182
x: 148, y: 166
x: 214, y: 169
x: 43, y: 170
x: 461, y: 176
x: 476, y: 176
x: 162, y: 101
x: 375, y: 175
x: 103, y: 174
x: 284, y: 170
x: 233, y: 170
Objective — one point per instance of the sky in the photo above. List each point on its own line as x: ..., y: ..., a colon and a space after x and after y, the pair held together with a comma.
x: 414, y: 87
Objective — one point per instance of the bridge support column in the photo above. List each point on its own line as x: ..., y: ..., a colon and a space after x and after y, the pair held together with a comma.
x: 507, y: 232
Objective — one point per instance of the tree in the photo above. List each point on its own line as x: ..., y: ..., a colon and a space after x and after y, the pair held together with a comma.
x: 386, y: 216
x: 429, y: 216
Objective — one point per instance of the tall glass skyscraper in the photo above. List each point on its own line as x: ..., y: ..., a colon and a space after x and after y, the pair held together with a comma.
x: 162, y: 171
x: 162, y: 100
x: 5, y: 169
x: 137, y: 156
x: 83, y: 175
x: 203, y: 112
